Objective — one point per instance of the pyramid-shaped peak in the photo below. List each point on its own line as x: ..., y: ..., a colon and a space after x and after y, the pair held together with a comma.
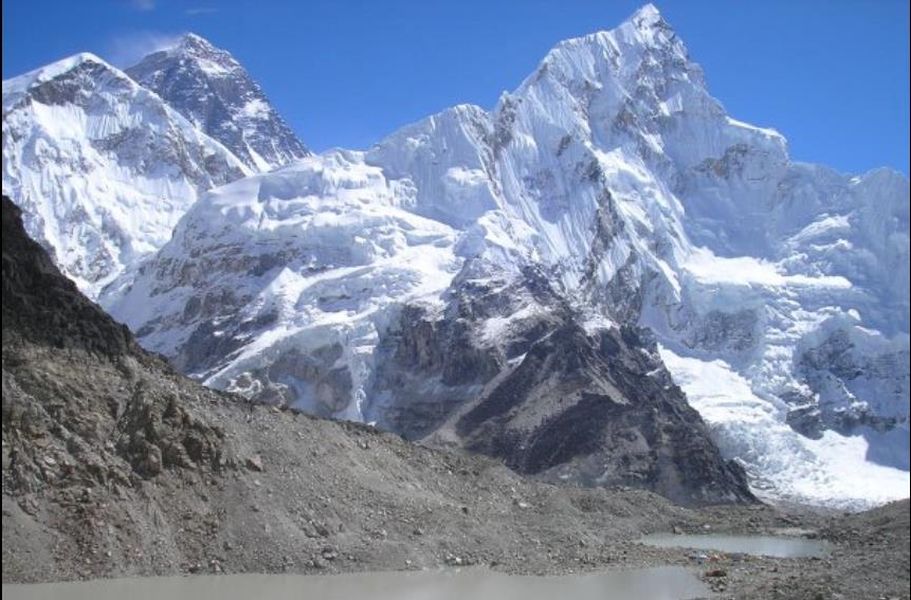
x: 211, y: 88
x: 195, y: 42
x: 647, y: 14
x: 648, y: 24
x: 194, y: 45
x: 189, y: 45
x: 192, y: 50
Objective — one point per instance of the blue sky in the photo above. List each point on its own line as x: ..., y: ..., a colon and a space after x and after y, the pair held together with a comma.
x: 831, y: 75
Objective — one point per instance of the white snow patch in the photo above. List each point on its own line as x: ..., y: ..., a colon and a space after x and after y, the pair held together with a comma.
x: 782, y: 463
x: 496, y: 327
x: 707, y: 268
x: 256, y: 108
x: 766, y: 131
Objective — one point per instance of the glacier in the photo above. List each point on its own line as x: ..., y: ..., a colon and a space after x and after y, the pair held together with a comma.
x: 833, y: 470
x: 777, y: 291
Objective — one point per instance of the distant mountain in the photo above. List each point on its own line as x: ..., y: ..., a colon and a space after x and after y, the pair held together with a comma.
x: 102, y: 167
x: 211, y: 89
x: 393, y: 286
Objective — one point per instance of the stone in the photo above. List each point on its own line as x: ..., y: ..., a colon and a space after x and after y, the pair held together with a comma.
x: 255, y: 463
x: 716, y: 573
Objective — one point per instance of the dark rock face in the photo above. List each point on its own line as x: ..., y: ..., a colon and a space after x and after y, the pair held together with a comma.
x: 426, y: 368
x: 211, y: 89
x: 41, y: 305
x: 545, y: 396
x: 44, y: 310
x: 428, y: 365
x: 601, y: 410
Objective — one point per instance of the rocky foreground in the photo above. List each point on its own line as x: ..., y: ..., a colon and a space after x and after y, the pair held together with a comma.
x: 115, y: 465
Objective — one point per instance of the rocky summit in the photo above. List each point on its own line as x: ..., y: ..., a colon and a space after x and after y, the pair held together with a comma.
x: 211, y: 89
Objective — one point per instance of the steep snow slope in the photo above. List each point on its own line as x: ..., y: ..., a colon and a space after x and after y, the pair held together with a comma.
x: 614, y: 172
x: 833, y: 469
x: 307, y: 259
x: 101, y: 167
x: 211, y: 89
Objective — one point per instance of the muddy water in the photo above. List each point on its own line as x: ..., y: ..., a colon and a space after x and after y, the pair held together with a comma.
x: 661, y: 583
x: 759, y: 545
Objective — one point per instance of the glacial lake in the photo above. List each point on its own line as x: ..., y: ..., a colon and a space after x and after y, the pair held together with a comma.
x: 659, y: 583
x: 757, y: 545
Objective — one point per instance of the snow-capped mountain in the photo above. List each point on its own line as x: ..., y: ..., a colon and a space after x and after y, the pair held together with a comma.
x: 211, y: 89
x: 102, y: 167
x: 318, y: 286
x: 476, y: 279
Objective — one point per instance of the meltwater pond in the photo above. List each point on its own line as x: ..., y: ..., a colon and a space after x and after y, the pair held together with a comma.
x: 758, y: 545
x: 660, y: 583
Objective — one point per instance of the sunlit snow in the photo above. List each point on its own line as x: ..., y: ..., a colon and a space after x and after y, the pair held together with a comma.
x: 783, y: 464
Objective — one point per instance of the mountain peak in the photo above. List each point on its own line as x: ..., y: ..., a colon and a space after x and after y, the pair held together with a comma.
x: 210, y: 88
x: 55, y: 69
x: 193, y: 40
x: 82, y: 124
x: 647, y: 27
x: 188, y: 43
x: 647, y: 15
x: 77, y: 59
x: 212, y: 61
x: 644, y: 41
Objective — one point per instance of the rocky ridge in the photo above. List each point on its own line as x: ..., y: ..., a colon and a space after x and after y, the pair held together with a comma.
x: 101, y: 166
